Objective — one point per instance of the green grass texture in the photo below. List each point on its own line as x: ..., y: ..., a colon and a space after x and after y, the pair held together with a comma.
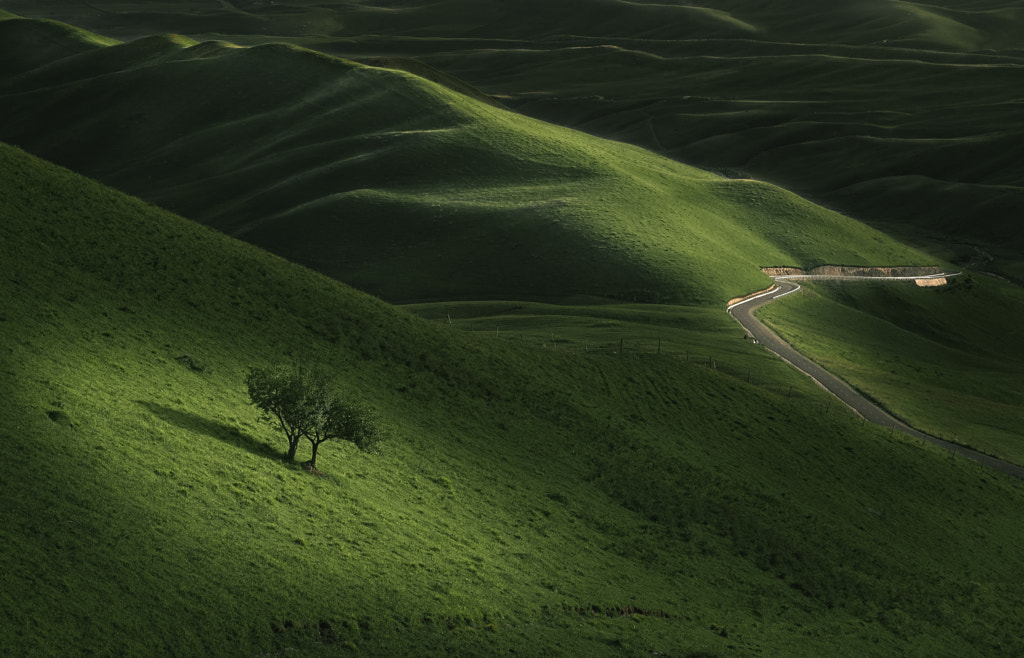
x: 948, y: 360
x: 404, y: 187
x: 904, y: 114
x: 539, y: 500
x: 415, y: 192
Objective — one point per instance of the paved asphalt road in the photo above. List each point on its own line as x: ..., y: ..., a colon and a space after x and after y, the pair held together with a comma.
x: 743, y: 313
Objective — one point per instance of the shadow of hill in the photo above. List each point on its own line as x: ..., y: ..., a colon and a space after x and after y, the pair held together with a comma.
x: 220, y: 431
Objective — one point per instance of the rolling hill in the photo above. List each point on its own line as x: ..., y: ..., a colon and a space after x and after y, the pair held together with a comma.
x: 418, y: 191
x: 947, y: 360
x: 401, y: 186
x: 903, y: 114
x: 588, y: 479
x: 528, y: 500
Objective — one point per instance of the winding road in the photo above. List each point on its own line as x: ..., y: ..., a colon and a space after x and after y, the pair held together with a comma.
x: 743, y: 312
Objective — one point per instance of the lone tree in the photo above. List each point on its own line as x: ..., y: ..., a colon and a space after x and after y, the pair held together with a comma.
x: 295, y: 399
x: 346, y: 422
x: 301, y: 403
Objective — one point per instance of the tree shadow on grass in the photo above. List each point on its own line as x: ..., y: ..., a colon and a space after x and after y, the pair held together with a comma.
x: 220, y: 431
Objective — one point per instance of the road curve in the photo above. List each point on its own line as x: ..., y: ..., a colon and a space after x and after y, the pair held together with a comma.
x: 743, y: 312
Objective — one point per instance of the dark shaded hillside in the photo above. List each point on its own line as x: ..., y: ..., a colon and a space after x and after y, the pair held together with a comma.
x: 911, y: 123
x: 950, y: 25
x: 401, y: 186
x: 904, y: 114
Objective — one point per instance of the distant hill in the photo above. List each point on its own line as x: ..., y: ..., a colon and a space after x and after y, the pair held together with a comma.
x: 401, y: 186
x: 950, y: 25
x: 903, y: 114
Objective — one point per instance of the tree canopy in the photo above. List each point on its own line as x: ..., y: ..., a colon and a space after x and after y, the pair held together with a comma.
x: 301, y: 402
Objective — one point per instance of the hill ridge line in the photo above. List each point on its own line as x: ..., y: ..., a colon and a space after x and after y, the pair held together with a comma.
x: 858, y: 271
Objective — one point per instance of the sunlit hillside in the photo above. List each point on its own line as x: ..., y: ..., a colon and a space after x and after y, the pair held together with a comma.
x: 416, y: 191
x: 901, y: 113
x: 401, y: 186
x: 585, y: 455
x: 530, y: 500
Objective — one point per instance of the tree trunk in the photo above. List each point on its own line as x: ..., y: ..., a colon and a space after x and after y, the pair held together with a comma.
x: 312, y: 460
x: 293, y: 446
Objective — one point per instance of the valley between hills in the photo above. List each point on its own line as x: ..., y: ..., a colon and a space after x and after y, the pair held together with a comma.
x: 513, y: 231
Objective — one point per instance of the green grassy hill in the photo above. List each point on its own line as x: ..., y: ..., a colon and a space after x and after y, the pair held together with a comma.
x: 567, y: 480
x: 530, y: 499
x: 922, y: 143
x: 949, y: 360
x: 904, y: 114
x: 414, y: 192
x: 405, y: 188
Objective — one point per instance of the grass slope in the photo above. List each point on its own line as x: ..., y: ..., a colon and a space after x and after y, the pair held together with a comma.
x: 27, y: 44
x: 415, y: 193
x: 860, y: 105
x: 530, y: 500
x: 840, y: 124
x: 948, y: 360
x: 406, y: 188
